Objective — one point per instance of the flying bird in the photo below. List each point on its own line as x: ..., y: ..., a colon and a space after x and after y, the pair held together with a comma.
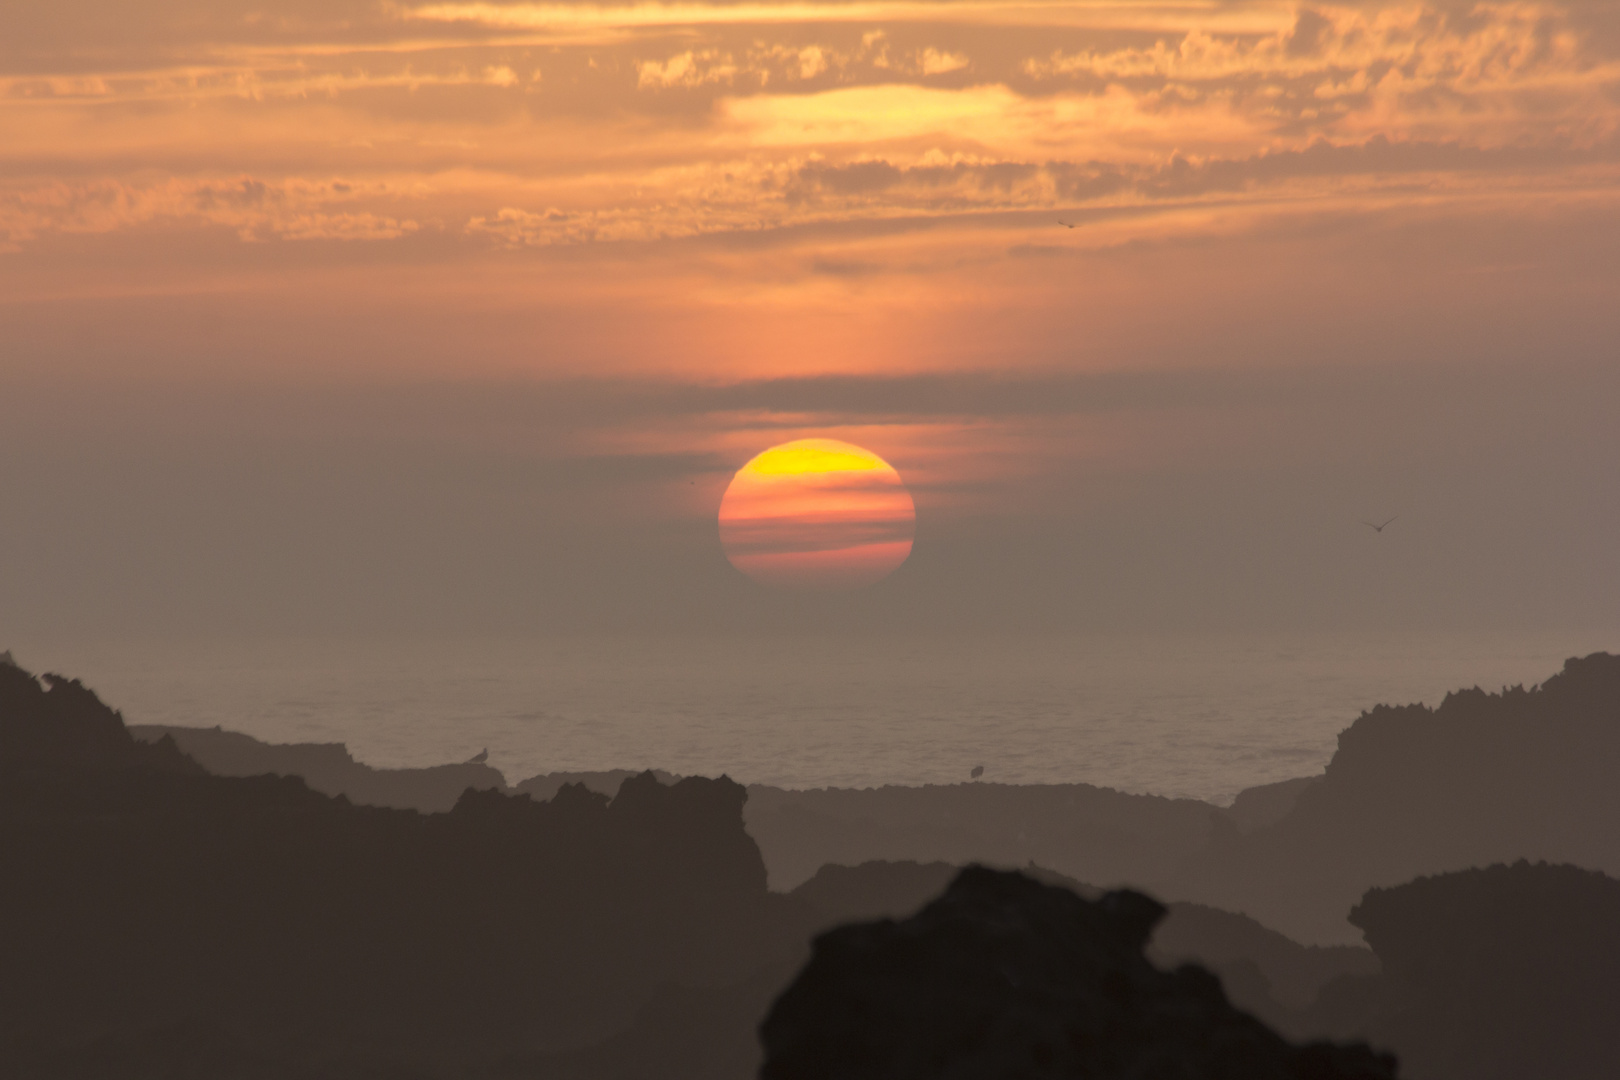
x: 1378, y: 528
x: 480, y: 757
x: 978, y: 771
x: 1065, y: 224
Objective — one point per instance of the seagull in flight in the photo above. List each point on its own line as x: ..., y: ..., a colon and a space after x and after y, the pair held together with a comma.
x: 1065, y: 224
x: 1378, y: 528
x: 978, y: 771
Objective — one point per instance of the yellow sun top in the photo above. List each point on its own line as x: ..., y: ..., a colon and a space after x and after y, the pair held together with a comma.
x: 813, y: 456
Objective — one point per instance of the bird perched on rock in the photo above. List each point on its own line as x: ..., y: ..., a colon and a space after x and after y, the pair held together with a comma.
x: 479, y: 758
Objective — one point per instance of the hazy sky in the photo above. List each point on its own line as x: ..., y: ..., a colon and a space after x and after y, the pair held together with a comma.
x: 382, y: 317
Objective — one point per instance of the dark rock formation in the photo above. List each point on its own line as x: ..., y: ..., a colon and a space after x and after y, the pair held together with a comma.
x: 1006, y: 977
x: 52, y: 724
x: 1496, y: 974
x: 546, y: 785
x: 1257, y: 807
x: 1262, y: 972
x: 162, y: 922
x: 682, y: 1033
x: 1484, y: 778
x: 1088, y: 833
x: 873, y: 890
x: 329, y: 768
x: 156, y: 920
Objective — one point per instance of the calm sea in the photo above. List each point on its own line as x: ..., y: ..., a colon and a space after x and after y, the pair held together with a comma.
x: 1202, y: 717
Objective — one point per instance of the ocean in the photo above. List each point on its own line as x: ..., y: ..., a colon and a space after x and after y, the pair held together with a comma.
x: 1202, y: 717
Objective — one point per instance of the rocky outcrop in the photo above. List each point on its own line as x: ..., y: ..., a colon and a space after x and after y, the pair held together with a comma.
x: 1262, y: 972
x: 328, y: 768
x: 1496, y: 974
x: 163, y: 922
x: 873, y: 890
x: 1483, y: 778
x: 546, y: 785
x: 1257, y: 807
x: 1003, y: 976
x: 1088, y: 833
x: 52, y: 724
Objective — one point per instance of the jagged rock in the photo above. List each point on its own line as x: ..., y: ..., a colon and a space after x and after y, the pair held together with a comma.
x: 1499, y: 974
x: 607, y: 782
x: 1004, y: 977
x: 327, y: 767
x: 161, y: 922
x: 52, y: 723
x: 1483, y: 778
x: 1085, y: 832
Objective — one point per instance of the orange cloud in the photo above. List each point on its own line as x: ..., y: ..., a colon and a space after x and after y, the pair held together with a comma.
x: 876, y: 183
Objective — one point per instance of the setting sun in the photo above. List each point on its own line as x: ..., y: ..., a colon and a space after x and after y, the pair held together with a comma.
x: 817, y: 513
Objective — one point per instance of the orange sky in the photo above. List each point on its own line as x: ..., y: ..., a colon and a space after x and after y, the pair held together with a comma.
x: 732, y: 166
x: 691, y: 197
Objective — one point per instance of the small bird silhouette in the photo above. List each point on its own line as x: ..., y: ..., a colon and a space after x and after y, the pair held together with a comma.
x: 480, y: 757
x: 978, y: 771
x: 1378, y: 528
x: 1065, y: 224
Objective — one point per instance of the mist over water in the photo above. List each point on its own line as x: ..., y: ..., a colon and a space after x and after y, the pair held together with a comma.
x: 1202, y: 717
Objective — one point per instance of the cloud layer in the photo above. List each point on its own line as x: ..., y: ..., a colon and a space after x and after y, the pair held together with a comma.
x: 540, y: 125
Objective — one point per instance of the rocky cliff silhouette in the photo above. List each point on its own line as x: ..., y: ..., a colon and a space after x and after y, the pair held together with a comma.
x: 1003, y: 976
x: 607, y: 782
x: 1483, y: 778
x: 1088, y: 833
x: 1496, y: 974
x: 1263, y: 972
x: 1085, y: 832
x: 330, y: 769
x: 162, y: 922
x: 1412, y: 790
x: 157, y: 920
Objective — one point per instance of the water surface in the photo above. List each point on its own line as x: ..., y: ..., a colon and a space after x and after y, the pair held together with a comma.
x: 1188, y: 716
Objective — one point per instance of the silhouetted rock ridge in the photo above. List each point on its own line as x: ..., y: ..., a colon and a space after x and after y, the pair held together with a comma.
x: 329, y: 768
x: 1482, y: 779
x: 1498, y: 974
x: 163, y: 922
x: 1005, y: 977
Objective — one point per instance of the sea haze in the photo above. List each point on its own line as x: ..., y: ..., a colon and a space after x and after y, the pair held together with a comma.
x: 1202, y: 717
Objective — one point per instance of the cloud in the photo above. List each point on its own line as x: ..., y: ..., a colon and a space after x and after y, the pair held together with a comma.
x: 618, y: 160
x: 935, y: 62
x: 563, y: 17
x: 687, y: 69
x: 255, y: 209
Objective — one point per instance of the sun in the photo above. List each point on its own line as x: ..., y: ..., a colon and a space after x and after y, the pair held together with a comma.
x: 817, y: 513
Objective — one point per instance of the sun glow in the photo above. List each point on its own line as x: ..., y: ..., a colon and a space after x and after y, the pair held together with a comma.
x: 817, y: 513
